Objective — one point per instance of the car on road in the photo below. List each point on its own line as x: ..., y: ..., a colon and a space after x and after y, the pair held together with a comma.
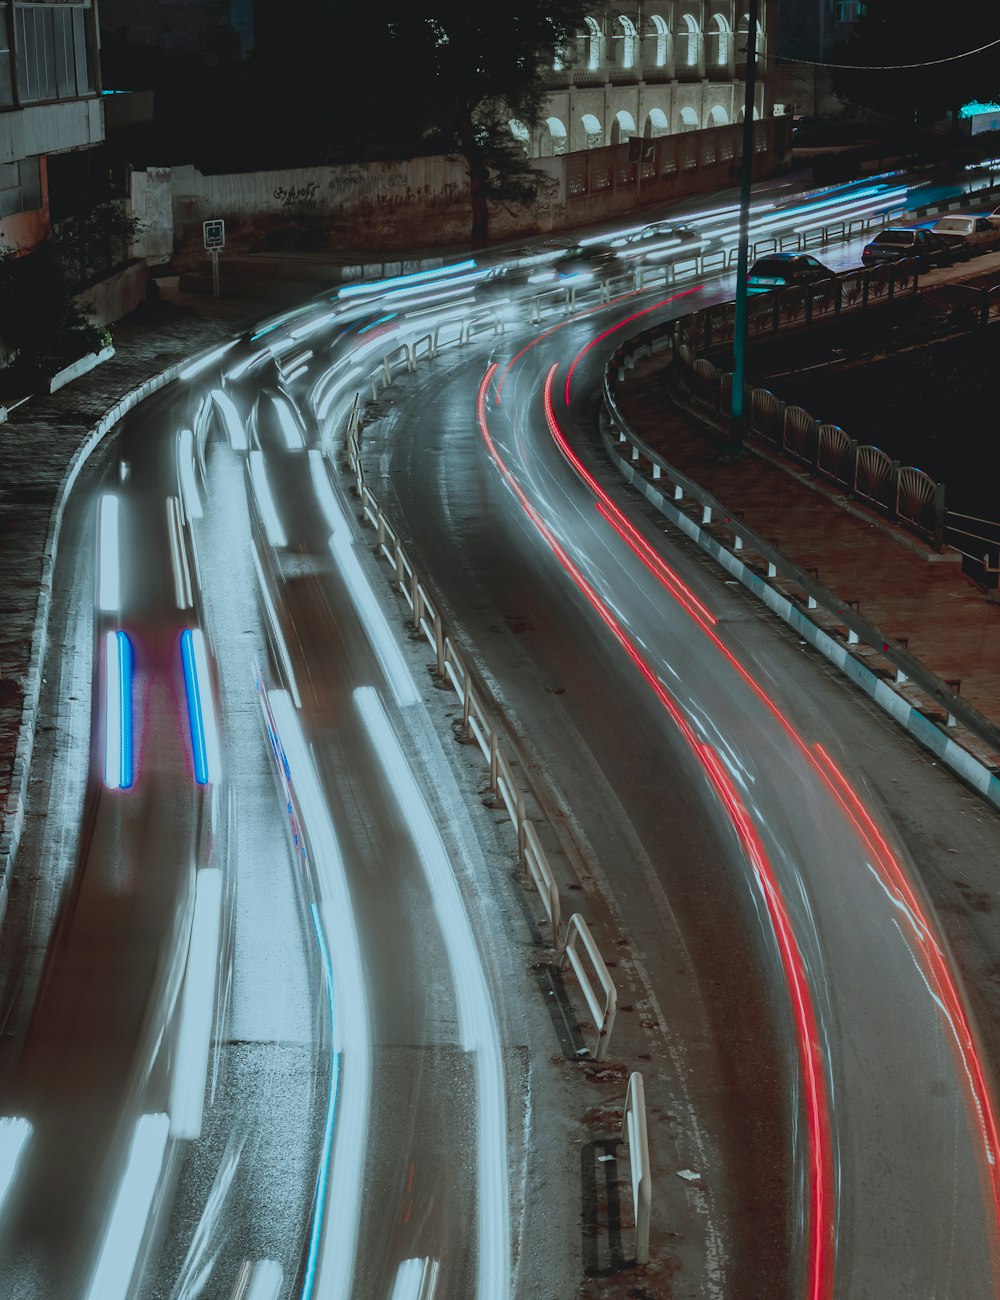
x: 587, y: 262
x: 897, y: 242
x: 504, y: 280
x: 994, y: 217
x: 967, y: 233
x: 779, y: 270
x: 661, y: 240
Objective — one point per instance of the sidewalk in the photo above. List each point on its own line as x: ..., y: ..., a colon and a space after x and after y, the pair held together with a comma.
x: 911, y: 593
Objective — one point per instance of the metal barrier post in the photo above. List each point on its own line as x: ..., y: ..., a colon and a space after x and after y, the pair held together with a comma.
x: 604, y: 1015
x: 635, y: 1136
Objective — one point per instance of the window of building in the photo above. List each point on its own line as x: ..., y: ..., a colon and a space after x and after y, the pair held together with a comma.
x: 847, y: 11
x: 6, y: 81
x: 662, y: 32
x: 595, y: 43
x: 629, y: 40
x: 689, y: 34
x: 51, y: 52
x: 20, y: 187
x: 722, y: 35
x: 592, y: 129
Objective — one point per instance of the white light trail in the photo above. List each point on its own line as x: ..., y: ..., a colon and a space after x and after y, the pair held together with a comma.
x: 477, y: 1021
x: 291, y: 432
x: 416, y: 1279
x: 265, y: 1281
x: 204, y: 362
x: 235, y: 429
x: 265, y: 501
x: 187, y: 1090
x: 127, y: 1226
x: 334, y: 1243
x: 334, y: 391
x: 109, y: 594
x: 272, y: 616
x: 14, y: 1134
x: 185, y: 475
x: 324, y: 491
x: 312, y: 326
x: 178, y: 555
x: 375, y: 623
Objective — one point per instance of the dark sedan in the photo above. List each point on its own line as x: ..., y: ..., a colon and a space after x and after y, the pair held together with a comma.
x: 897, y: 242
x: 779, y: 270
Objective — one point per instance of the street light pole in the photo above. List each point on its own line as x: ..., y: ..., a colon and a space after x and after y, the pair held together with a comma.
x: 746, y: 180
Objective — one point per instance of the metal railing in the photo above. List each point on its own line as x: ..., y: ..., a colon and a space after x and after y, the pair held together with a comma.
x: 596, y: 984
x: 634, y: 1135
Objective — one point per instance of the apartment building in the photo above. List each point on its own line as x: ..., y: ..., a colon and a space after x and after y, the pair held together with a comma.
x: 50, y: 104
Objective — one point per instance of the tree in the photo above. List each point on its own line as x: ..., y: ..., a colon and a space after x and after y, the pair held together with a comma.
x: 446, y: 77
x: 894, y: 32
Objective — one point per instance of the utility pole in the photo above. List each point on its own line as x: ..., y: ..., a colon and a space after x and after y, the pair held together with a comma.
x: 746, y: 180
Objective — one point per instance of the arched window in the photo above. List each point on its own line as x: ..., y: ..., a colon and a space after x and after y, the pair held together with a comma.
x: 595, y: 43
x: 742, y: 44
x: 560, y: 58
x: 717, y: 116
x: 662, y: 33
x: 688, y: 39
x: 592, y: 127
x: 721, y: 37
x: 623, y: 127
x: 556, y: 142
x: 656, y: 123
x: 689, y: 119
x: 630, y: 39
x: 741, y: 115
x: 520, y: 133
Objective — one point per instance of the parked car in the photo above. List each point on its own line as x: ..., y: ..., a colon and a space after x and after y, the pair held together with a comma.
x: 897, y: 242
x: 586, y: 262
x: 994, y: 217
x: 967, y: 233
x: 778, y: 270
x: 659, y: 241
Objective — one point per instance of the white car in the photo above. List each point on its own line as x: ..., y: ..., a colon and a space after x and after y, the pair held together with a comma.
x: 967, y: 232
x: 994, y: 217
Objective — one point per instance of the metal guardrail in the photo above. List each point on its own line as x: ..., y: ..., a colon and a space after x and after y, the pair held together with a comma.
x: 602, y: 1008
x: 743, y: 539
x: 634, y: 1135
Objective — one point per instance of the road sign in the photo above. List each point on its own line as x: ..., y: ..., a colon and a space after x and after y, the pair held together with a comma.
x: 215, y: 234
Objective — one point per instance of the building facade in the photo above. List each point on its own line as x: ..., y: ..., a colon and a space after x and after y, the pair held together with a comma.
x: 50, y: 104
x: 659, y: 67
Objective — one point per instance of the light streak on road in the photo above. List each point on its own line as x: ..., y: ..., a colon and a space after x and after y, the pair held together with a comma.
x: 323, y: 396
x: 942, y: 982
x: 276, y: 322
x: 403, y: 281
x: 178, y: 555
x: 185, y: 475
x: 202, y: 719
x: 187, y: 1089
x: 311, y: 327
x: 207, y: 360
x: 127, y: 1225
x: 266, y: 508
x: 275, y: 624
x: 333, y: 1240
x: 14, y: 1135
x: 821, y: 1262
x: 416, y: 1279
x: 109, y: 579
x: 324, y: 491
x: 118, y: 760
x: 380, y: 635
x: 290, y: 429
x: 478, y: 1029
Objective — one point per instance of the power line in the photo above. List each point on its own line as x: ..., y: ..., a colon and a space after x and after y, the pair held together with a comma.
x: 892, y: 67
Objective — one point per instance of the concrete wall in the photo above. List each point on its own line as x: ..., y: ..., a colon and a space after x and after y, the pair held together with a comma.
x: 151, y: 200
x: 424, y: 201
x: 111, y: 299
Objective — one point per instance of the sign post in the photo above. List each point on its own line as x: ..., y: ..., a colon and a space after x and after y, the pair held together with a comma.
x: 214, y: 233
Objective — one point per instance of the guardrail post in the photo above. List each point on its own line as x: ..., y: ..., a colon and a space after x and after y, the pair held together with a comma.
x: 939, y: 516
x: 636, y: 1138
x: 604, y: 1017
x: 416, y: 597
x: 894, y: 508
x: 493, y: 761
